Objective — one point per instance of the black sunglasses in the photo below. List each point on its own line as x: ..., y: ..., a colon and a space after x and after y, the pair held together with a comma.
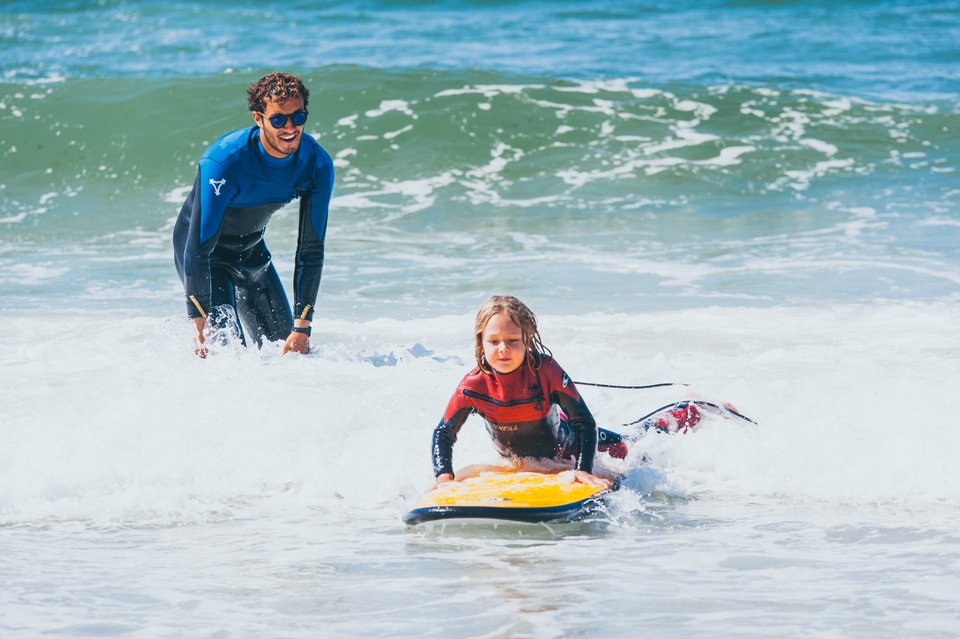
x: 279, y: 120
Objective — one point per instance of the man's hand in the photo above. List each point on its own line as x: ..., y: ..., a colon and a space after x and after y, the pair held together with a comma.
x: 198, y: 346
x: 298, y: 342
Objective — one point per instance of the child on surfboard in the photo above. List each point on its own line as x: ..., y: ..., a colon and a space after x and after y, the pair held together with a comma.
x: 530, y: 405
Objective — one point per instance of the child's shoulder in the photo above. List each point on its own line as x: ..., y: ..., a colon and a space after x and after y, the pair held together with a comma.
x: 548, y: 364
x: 475, y: 376
x: 553, y: 374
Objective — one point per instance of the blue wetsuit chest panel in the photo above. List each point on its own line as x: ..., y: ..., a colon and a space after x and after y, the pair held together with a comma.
x: 238, y: 188
x: 237, y: 173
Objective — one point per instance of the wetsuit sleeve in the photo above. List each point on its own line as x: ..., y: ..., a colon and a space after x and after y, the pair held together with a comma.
x: 581, y: 420
x: 308, y: 263
x: 445, y: 434
x: 212, y: 193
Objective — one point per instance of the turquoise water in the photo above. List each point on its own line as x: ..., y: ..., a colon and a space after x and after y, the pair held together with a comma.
x: 759, y: 199
x: 645, y: 155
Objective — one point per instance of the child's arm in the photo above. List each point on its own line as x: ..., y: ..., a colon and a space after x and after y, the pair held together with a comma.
x: 444, y: 437
x: 583, y: 424
x: 565, y: 394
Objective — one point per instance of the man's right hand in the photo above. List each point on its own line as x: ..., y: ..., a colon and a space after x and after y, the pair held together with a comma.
x: 198, y: 346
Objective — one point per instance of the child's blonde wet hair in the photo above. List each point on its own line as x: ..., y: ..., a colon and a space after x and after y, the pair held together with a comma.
x: 521, y: 315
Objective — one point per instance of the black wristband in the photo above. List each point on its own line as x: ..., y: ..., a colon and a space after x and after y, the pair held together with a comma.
x: 301, y: 329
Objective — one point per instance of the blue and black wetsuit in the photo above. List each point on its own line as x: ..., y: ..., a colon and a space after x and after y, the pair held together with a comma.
x: 218, y: 243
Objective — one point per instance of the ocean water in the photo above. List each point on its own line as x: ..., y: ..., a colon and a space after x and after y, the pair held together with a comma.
x: 757, y: 199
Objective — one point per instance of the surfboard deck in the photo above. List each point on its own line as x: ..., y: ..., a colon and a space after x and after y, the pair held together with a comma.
x: 509, y: 495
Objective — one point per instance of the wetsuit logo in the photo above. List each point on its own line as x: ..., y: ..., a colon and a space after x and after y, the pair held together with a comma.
x: 566, y: 380
x: 217, y: 185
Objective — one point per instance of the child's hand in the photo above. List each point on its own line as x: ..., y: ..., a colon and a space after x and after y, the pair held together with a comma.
x: 442, y: 479
x: 583, y: 477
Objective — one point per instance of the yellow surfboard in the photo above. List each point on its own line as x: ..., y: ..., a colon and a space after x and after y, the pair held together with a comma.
x: 504, y: 494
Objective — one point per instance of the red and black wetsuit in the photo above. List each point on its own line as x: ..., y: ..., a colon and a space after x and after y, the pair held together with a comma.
x: 516, y: 408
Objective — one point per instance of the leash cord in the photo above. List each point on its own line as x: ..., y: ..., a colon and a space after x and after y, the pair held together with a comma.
x: 630, y: 387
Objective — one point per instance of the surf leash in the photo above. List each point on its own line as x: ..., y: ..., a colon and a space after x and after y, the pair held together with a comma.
x: 631, y: 387
x: 725, y: 410
x: 701, y: 404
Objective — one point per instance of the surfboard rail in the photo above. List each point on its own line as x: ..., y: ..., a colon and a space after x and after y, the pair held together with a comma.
x: 513, y: 496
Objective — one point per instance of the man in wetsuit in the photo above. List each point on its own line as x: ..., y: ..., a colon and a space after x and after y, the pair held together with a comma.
x: 242, y: 180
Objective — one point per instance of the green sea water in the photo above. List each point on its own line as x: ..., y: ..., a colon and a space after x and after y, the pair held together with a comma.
x: 710, y: 187
x: 641, y: 154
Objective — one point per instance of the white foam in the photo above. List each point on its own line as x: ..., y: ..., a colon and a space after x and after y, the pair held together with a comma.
x: 671, y: 273
x: 612, y: 85
x: 729, y: 156
x: 646, y: 94
x: 386, y: 106
x: 685, y: 137
x: 400, y: 196
x: 563, y: 110
x: 701, y: 109
x: 819, y: 145
x: 177, y: 195
x: 133, y: 429
x: 791, y: 124
x: 501, y: 155
x: 837, y: 106
x: 389, y: 135
x: 29, y: 274
x: 487, y: 90
x: 800, y: 179
x: 939, y: 221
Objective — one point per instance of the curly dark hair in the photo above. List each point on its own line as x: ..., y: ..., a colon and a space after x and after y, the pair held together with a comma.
x: 278, y: 87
